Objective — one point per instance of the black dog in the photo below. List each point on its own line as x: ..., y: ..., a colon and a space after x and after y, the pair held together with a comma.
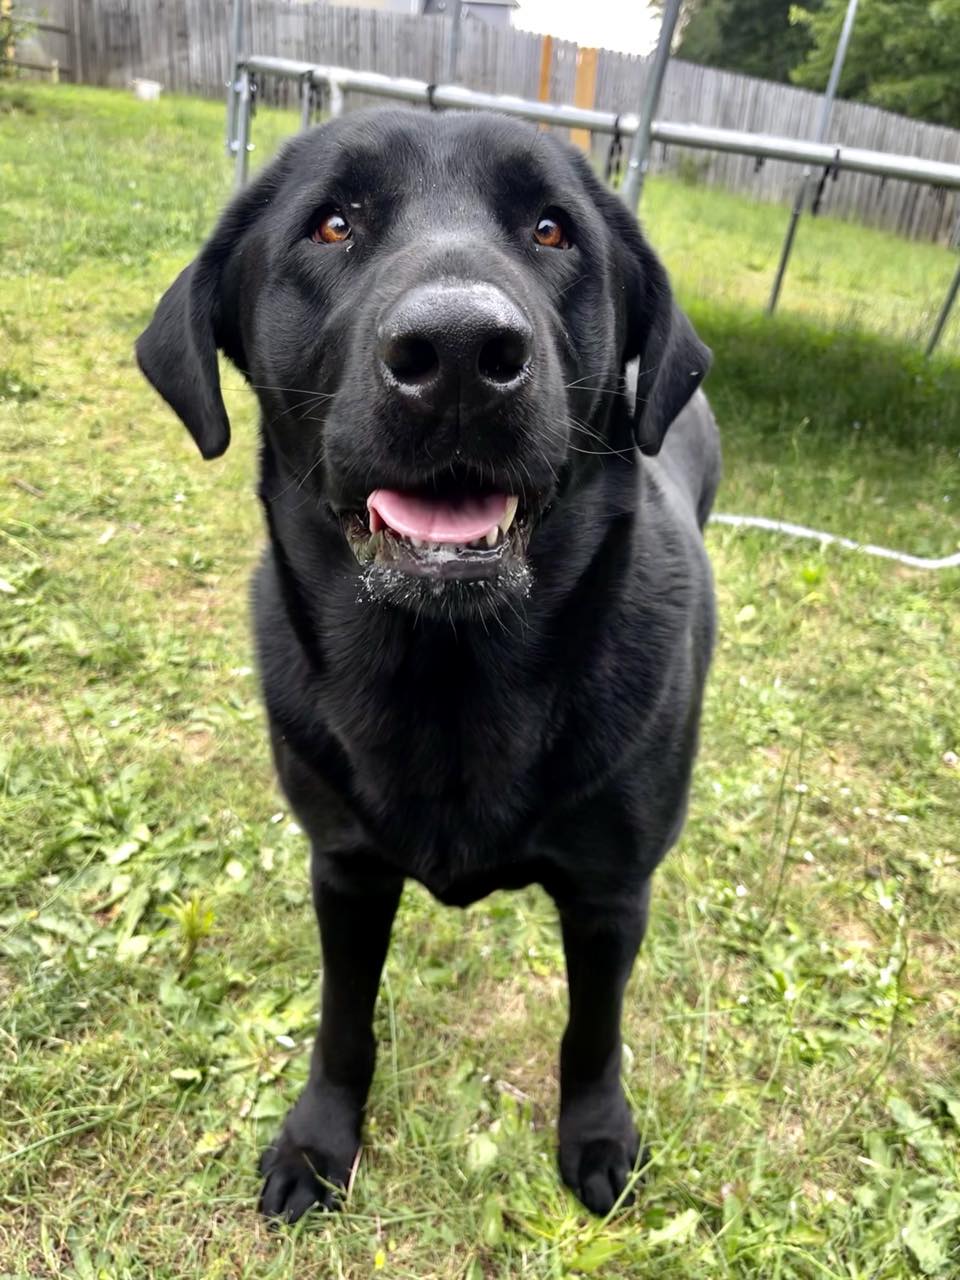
x: 485, y: 616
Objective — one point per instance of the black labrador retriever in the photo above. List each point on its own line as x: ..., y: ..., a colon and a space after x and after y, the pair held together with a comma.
x: 485, y: 613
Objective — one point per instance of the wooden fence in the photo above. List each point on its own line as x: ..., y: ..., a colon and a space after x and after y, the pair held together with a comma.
x: 183, y: 44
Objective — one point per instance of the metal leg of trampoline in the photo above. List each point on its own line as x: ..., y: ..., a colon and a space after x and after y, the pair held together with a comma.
x: 945, y: 310
x: 243, y: 130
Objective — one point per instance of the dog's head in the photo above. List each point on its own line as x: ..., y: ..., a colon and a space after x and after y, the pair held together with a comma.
x: 435, y: 312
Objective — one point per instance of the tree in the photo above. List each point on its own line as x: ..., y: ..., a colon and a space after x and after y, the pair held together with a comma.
x: 756, y: 37
x: 904, y: 55
x: 12, y: 29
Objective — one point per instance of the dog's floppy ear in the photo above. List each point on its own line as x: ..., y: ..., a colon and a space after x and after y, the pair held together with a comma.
x: 178, y: 349
x: 672, y: 359
x: 177, y: 353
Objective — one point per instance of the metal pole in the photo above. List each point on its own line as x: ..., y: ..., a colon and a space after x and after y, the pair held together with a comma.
x: 306, y: 102
x: 944, y: 315
x: 453, y: 96
x: 884, y: 164
x: 236, y: 39
x: 703, y: 137
x: 453, y: 57
x: 336, y: 99
x: 825, y: 113
x: 243, y: 130
x: 640, y: 147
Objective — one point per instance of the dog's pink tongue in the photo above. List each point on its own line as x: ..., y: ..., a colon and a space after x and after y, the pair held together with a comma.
x: 435, y: 519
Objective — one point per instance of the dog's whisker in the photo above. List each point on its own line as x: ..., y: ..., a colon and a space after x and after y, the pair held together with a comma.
x: 313, y: 403
x: 310, y: 470
x: 600, y: 391
x: 590, y: 453
x: 586, y: 377
x: 521, y: 619
x: 299, y: 391
x: 567, y: 287
x: 602, y: 453
x: 579, y: 425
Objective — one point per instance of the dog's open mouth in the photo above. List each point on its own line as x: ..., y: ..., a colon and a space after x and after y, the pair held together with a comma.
x: 451, y: 535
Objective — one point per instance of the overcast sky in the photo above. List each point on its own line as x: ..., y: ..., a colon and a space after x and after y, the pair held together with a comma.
x: 628, y: 26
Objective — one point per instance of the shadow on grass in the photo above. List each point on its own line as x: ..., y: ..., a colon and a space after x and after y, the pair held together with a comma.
x: 771, y: 375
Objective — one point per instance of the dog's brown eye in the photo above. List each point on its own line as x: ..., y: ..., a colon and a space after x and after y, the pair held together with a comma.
x: 331, y: 229
x: 551, y: 231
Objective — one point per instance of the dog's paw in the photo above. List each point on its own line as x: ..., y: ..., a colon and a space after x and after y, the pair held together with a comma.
x: 596, y: 1169
x: 309, y: 1162
x: 300, y: 1177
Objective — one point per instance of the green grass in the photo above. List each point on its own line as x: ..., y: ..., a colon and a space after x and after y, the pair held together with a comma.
x: 793, y: 1031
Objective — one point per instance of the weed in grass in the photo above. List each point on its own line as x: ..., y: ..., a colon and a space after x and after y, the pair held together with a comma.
x: 14, y: 386
x: 792, y: 1026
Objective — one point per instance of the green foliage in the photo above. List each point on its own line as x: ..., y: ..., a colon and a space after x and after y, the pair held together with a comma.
x: 791, y: 1030
x: 193, y: 922
x: 13, y: 28
x: 904, y: 55
x: 692, y: 168
x: 15, y: 101
x: 14, y: 386
x: 755, y: 37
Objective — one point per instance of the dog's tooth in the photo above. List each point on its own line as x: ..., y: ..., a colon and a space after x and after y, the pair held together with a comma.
x: 371, y: 547
x: 492, y: 536
x: 509, y: 514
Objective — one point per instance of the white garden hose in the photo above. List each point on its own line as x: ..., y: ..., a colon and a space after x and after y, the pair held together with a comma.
x: 826, y: 539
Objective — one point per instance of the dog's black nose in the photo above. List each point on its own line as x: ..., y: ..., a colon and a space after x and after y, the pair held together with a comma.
x: 454, y: 342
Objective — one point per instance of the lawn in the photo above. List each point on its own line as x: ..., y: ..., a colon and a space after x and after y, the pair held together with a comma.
x: 793, y: 1029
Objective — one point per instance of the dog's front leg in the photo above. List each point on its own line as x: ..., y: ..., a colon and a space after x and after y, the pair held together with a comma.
x: 598, y: 1139
x: 309, y: 1162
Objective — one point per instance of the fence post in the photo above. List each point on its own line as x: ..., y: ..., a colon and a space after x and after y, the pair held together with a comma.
x: 453, y: 56
x: 546, y: 65
x: 77, y: 44
x: 584, y: 92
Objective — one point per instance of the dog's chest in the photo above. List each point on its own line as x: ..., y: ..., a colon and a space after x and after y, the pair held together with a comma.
x: 445, y: 759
